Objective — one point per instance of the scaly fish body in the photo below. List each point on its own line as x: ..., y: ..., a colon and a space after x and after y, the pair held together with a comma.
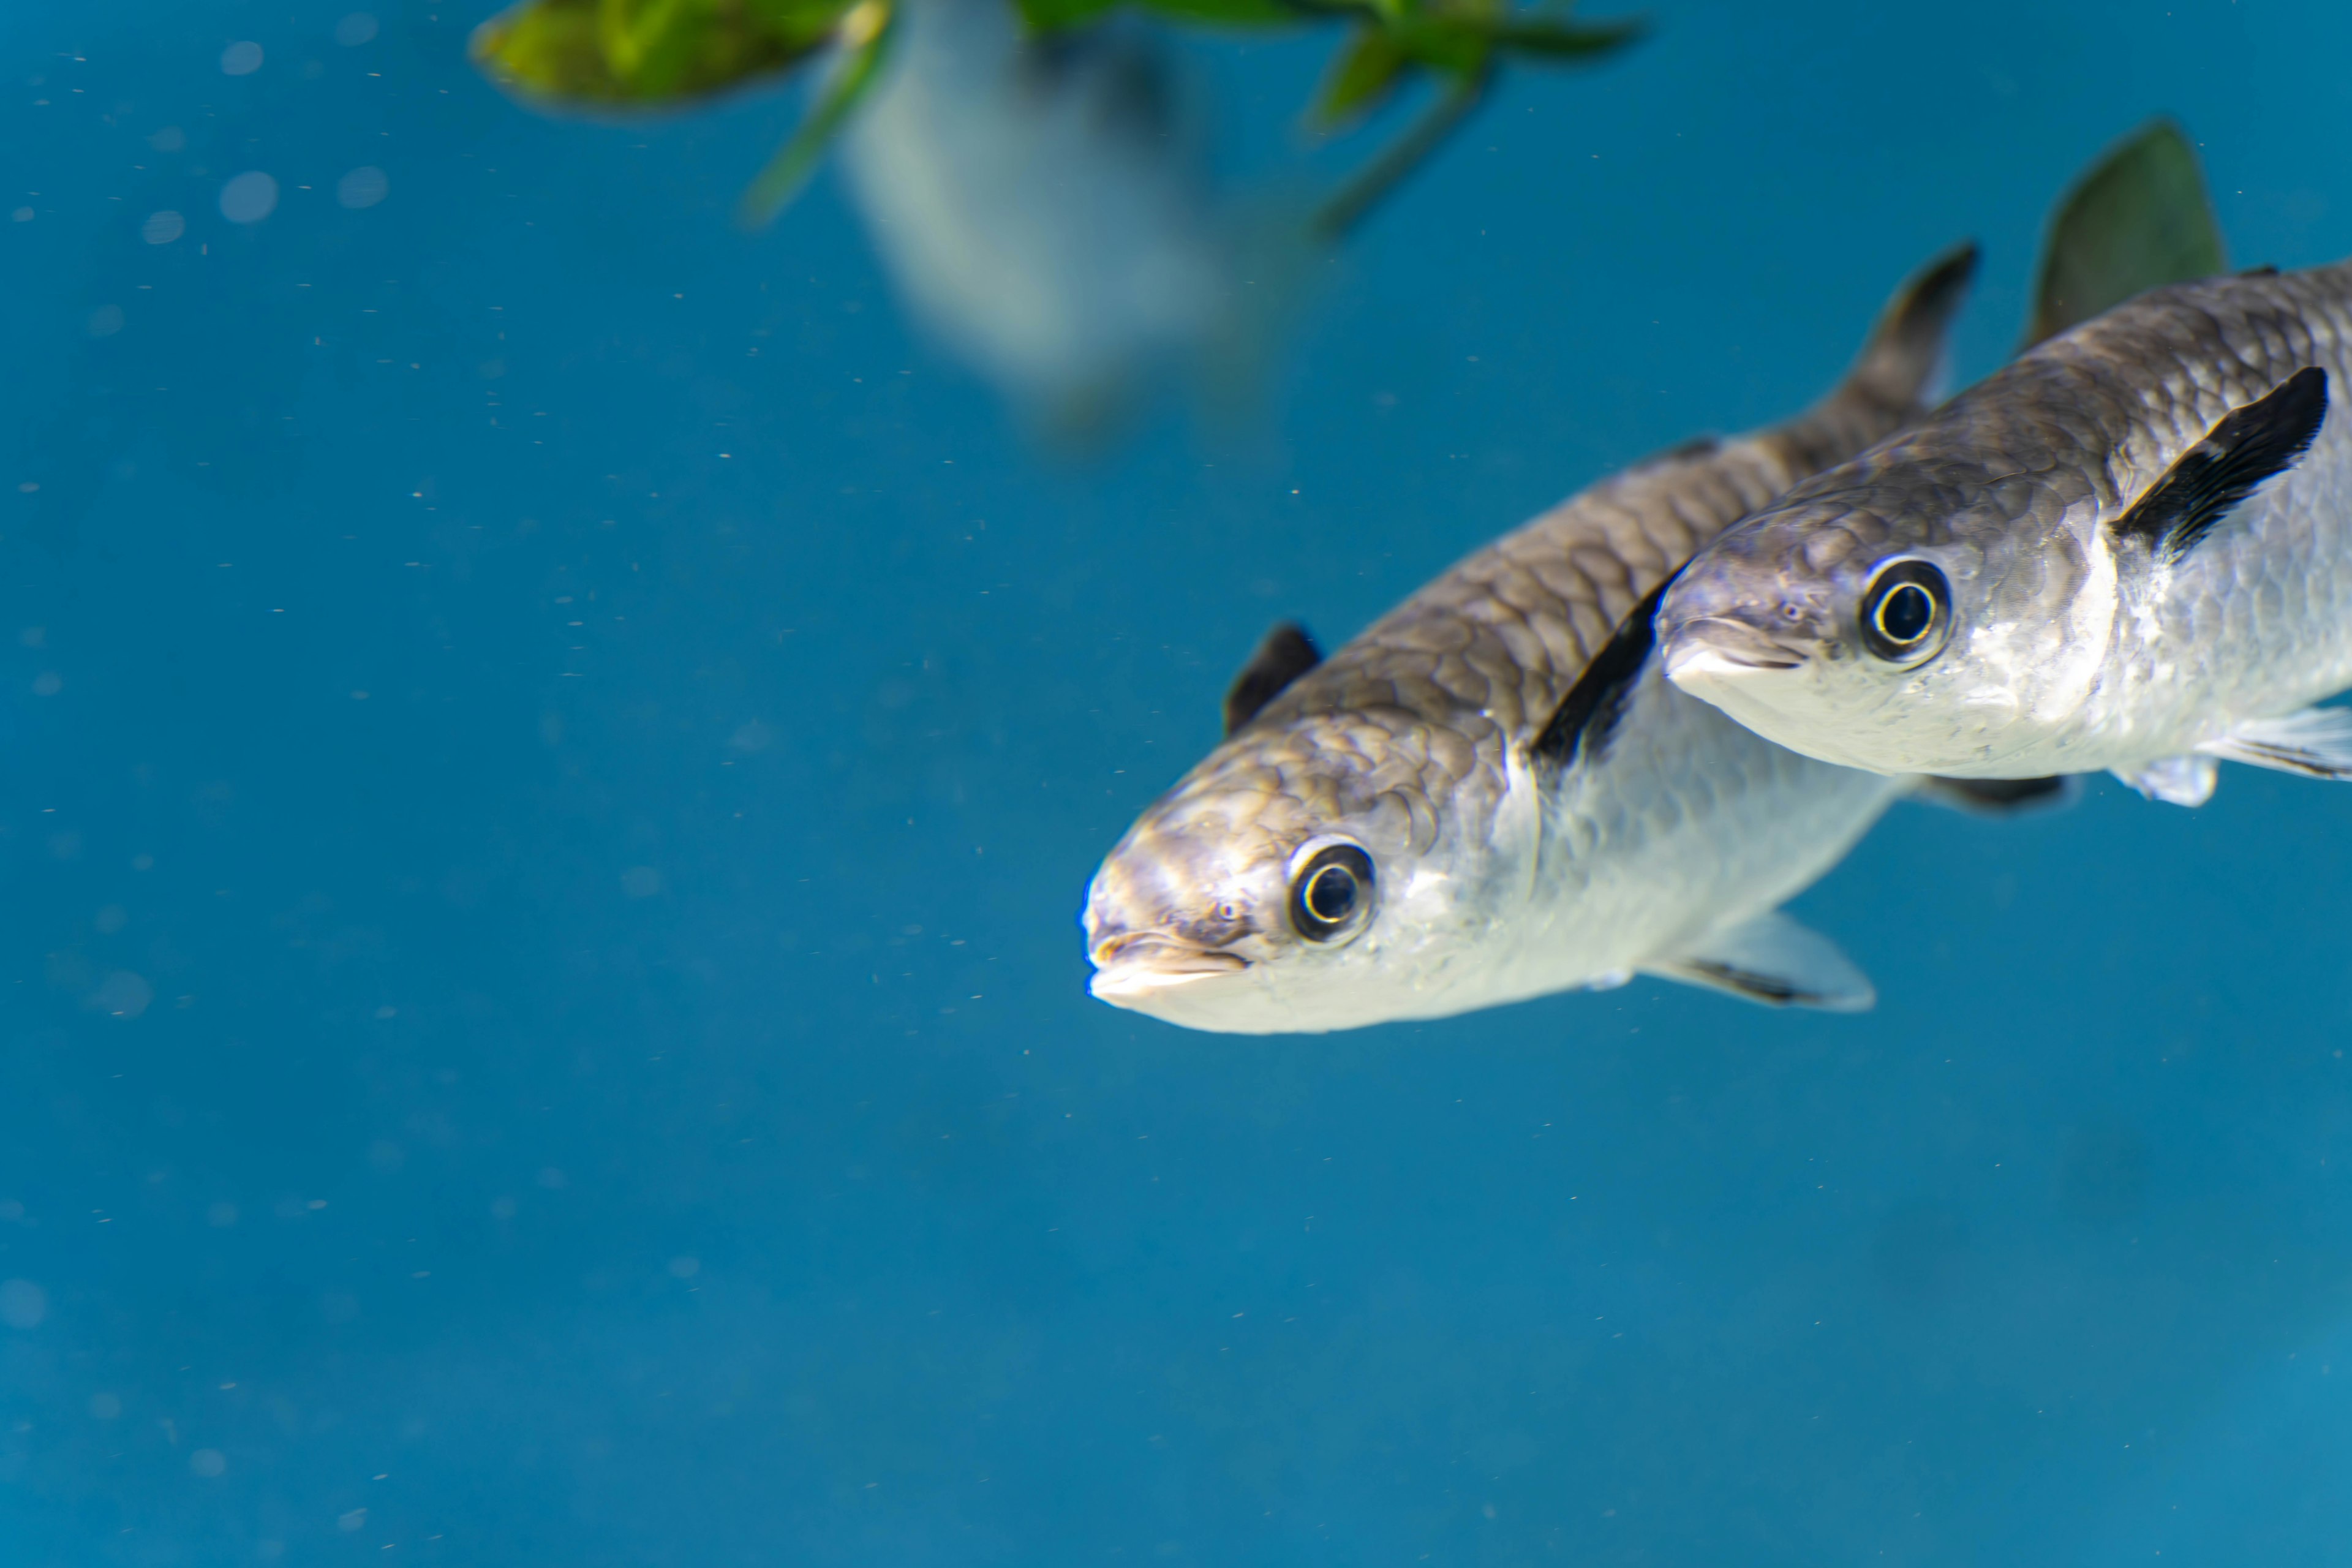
x: 2131, y: 549
x: 1492, y: 793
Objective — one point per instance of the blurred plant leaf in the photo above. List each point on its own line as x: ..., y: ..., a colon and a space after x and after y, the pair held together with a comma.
x: 1396, y: 161
x: 1057, y: 15
x: 865, y: 36
x: 1233, y: 13
x: 647, y: 54
x: 1362, y: 77
x: 2141, y: 217
x: 1566, y: 40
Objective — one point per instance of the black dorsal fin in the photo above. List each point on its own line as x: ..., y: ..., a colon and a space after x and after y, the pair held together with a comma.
x: 1587, y: 715
x: 2250, y: 444
x: 1285, y: 654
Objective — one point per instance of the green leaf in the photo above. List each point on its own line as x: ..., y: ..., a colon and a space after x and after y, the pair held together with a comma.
x: 1362, y: 77
x: 1060, y: 16
x: 1397, y: 162
x: 1566, y: 40
x: 866, y: 33
x: 648, y: 53
x: 2138, y: 218
x: 1233, y: 13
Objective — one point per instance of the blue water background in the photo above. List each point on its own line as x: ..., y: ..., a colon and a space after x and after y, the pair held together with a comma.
x: 622, y: 1090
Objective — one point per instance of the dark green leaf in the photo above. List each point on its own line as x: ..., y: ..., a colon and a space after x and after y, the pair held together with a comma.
x: 866, y: 33
x: 1059, y: 15
x: 1233, y: 13
x: 1566, y: 40
x: 1365, y: 73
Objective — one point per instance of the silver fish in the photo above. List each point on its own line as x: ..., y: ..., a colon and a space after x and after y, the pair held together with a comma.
x: 1492, y: 794
x: 2130, y: 549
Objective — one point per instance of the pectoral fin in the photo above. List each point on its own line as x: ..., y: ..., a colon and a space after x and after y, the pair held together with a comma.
x: 2176, y: 781
x: 2314, y: 741
x: 2251, y: 443
x: 1774, y: 960
x: 1285, y: 654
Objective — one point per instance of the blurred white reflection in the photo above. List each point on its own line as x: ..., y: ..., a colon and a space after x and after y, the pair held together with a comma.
x: 1042, y: 206
x: 22, y: 1304
x: 249, y: 197
x: 355, y: 29
x: 362, y: 187
x: 163, y: 227
x: 121, y: 995
x: 241, y: 59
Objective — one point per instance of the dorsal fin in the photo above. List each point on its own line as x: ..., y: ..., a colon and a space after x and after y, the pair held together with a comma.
x: 1285, y: 654
x: 2138, y: 219
x: 1589, y: 713
x: 2250, y: 444
x: 1904, y: 355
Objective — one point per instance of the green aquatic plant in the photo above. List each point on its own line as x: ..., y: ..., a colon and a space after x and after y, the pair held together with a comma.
x: 625, y: 55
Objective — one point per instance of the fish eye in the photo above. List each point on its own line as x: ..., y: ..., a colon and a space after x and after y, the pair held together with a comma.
x: 1331, y: 892
x: 1906, y: 614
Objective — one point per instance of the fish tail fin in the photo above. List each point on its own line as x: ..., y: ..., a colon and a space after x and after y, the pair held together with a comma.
x: 1902, y: 365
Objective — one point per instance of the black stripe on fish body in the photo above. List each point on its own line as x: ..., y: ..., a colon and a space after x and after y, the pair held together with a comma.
x: 1285, y: 654
x: 2250, y: 444
x: 1589, y: 714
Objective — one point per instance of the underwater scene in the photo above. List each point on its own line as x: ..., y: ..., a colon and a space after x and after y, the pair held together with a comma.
x: 1175, y: 781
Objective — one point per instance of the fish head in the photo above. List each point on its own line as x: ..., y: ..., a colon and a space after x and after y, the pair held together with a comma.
x: 1297, y: 881
x: 1932, y: 618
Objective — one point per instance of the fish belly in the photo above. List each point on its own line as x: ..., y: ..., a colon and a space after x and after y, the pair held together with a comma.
x: 1687, y: 823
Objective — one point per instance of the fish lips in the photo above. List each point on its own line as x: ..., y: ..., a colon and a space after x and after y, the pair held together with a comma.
x: 1132, y: 966
x: 1711, y: 650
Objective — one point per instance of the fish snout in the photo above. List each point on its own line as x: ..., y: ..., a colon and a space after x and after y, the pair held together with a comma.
x: 1129, y: 963
x: 1726, y: 640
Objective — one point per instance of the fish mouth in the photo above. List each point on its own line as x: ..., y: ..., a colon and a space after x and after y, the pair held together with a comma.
x: 1134, y: 963
x: 1719, y: 646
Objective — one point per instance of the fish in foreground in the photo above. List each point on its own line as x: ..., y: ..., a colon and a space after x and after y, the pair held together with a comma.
x: 2131, y: 549
x: 1491, y: 794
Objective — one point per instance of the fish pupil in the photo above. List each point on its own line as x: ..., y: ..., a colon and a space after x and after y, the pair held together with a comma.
x: 1906, y: 614
x: 1331, y: 896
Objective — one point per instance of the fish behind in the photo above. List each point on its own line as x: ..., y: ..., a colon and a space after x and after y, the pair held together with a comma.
x: 2131, y: 549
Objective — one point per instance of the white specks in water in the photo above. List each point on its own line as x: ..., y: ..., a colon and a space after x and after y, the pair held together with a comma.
x: 362, y: 187
x: 163, y: 227
x: 355, y: 29
x: 249, y: 197
x: 351, y: 1521
x: 241, y: 59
